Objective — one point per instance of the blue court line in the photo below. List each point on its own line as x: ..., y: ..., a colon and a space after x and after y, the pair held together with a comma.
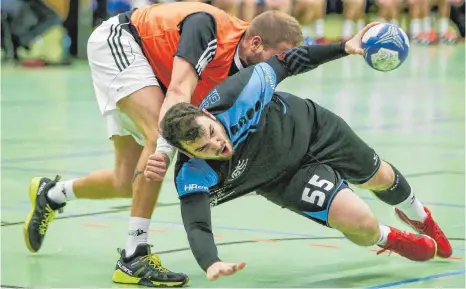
x: 102, y: 152
x: 421, y: 279
x: 77, y: 173
x: 180, y: 224
x: 59, y: 156
x: 43, y: 171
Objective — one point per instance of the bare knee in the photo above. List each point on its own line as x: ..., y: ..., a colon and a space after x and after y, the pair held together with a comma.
x: 366, y: 233
x: 123, y: 186
x: 382, y: 179
x: 353, y: 217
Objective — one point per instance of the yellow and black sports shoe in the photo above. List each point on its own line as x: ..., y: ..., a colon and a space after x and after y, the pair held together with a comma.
x: 42, y: 212
x: 144, y: 268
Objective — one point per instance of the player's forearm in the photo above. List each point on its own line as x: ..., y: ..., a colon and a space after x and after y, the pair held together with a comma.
x: 305, y: 58
x: 182, y: 84
x: 195, y: 210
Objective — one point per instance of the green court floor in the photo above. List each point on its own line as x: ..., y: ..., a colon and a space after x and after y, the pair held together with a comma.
x: 414, y: 117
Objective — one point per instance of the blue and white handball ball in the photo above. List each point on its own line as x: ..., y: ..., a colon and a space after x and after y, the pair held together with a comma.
x: 386, y: 46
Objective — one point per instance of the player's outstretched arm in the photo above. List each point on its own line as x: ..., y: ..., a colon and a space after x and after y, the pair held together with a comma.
x: 195, y: 211
x: 307, y: 57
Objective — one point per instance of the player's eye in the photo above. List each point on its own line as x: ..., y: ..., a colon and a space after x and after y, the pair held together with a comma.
x: 211, y: 131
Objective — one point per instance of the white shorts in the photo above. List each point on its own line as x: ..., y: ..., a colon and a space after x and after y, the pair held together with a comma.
x: 118, y: 68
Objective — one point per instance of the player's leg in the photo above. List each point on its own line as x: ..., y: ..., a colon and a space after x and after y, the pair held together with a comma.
x: 249, y: 9
x: 353, y: 10
x: 311, y: 12
x: 360, y: 165
x: 317, y: 192
x: 47, y: 196
x: 388, y: 10
x: 415, y: 28
x: 230, y: 6
x: 127, y: 89
x: 280, y: 5
x: 443, y: 19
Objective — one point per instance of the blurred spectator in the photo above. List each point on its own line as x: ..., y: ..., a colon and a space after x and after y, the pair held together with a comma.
x: 32, y: 31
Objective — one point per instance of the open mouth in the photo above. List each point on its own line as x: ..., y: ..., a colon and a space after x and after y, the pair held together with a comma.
x: 224, y: 150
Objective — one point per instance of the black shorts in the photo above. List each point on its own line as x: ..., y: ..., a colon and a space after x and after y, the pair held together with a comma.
x: 336, y: 157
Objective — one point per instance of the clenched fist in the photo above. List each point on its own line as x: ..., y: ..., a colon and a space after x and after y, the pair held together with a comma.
x: 156, y: 166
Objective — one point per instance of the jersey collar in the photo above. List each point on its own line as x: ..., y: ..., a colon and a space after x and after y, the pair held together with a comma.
x: 236, y: 59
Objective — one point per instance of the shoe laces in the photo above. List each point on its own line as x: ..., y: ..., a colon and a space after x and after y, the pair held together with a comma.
x: 432, y: 229
x: 154, y: 261
x: 47, y: 218
x: 397, y: 244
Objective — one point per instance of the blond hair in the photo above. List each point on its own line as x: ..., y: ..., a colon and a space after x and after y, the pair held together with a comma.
x: 275, y: 27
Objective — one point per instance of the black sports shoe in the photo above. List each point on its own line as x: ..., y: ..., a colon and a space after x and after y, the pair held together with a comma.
x: 144, y: 268
x: 42, y: 212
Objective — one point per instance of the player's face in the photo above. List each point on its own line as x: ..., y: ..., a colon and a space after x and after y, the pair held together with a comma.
x: 214, y: 144
x: 258, y: 53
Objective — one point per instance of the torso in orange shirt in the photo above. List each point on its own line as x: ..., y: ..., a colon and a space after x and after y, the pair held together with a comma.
x: 209, y: 41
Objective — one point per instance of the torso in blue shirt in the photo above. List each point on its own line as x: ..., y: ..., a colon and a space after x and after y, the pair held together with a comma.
x: 270, y: 133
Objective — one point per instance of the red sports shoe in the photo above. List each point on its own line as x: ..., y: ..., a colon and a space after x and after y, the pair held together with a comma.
x: 411, y: 246
x: 430, y: 228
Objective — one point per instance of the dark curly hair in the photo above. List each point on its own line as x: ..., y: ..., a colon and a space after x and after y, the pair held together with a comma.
x: 179, y: 124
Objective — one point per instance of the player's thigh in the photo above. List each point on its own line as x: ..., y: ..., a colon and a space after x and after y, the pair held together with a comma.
x: 122, y: 76
x: 280, y: 5
x: 127, y: 153
x: 309, y: 192
x: 336, y: 144
x: 319, y: 193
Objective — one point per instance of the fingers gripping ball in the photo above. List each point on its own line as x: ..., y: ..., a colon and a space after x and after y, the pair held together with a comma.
x: 386, y: 46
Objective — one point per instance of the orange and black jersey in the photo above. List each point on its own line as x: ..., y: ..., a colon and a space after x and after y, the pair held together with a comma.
x: 203, y: 35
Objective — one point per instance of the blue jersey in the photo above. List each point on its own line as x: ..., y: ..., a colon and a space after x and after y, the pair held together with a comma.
x: 270, y: 132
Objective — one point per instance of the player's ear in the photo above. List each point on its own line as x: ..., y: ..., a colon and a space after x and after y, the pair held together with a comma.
x: 256, y: 44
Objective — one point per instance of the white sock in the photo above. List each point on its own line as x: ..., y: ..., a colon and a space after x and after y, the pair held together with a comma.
x: 384, y: 231
x: 426, y: 25
x: 413, y: 208
x: 138, y: 233
x: 347, y: 29
x: 415, y: 28
x: 306, y: 31
x: 443, y: 25
x: 319, y: 26
x: 62, y: 192
x: 360, y: 24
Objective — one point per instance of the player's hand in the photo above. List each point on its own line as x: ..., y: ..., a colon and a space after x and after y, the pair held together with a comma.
x: 353, y: 46
x: 156, y: 166
x: 221, y: 269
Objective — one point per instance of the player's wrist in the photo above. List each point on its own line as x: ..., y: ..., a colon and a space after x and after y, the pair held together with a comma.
x: 344, y: 47
x: 208, y: 264
x: 167, y: 149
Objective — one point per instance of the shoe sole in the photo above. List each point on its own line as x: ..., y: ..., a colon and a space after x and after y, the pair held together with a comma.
x: 407, y: 224
x: 122, y: 278
x: 33, y: 187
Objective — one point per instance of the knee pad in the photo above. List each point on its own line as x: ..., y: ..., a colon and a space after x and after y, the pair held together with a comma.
x: 398, y: 192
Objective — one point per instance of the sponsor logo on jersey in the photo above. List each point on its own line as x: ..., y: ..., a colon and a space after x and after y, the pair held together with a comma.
x: 239, y: 169
x: 212, y: 98
x: 195, y: 187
